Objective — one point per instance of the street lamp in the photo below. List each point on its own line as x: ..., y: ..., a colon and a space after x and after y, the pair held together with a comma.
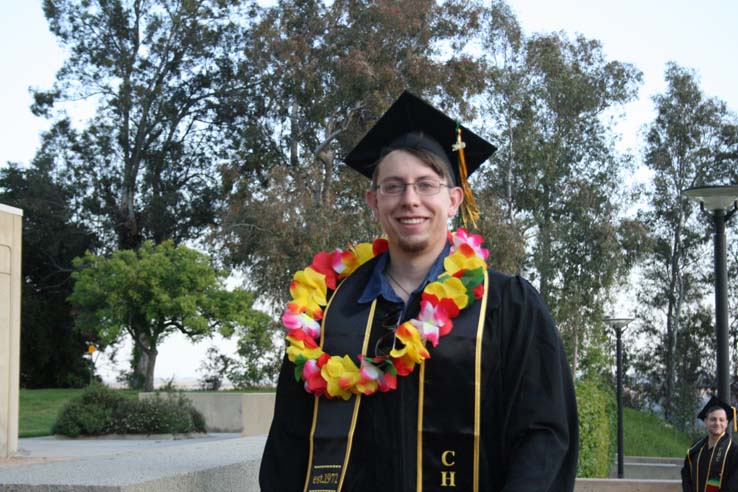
x: 619, y: 324
x: 721, y: 203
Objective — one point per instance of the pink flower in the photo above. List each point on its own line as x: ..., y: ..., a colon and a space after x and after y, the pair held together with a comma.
x: 340, y: 259
x: 432, y: 322
x: 468, y: 244
x: 302, y: 321
x: 372, y: 378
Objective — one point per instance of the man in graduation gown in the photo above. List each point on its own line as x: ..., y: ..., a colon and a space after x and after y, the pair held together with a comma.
x: 711, y: 464
x: 492, y: 409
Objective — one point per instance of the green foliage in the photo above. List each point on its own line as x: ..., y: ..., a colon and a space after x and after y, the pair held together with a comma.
x: 557, y: 174
x: 100, y: 410
x: 90, y: 414
x: 645, y: 434
x: 333, y: 68
x: 152, y: 292
x: 259, y: 357
x: 51, y: 350
x: 169, y: 415
x: 597, y: 429
x: 38, y: 408
x: 168, y: 80
x: 691, y: 142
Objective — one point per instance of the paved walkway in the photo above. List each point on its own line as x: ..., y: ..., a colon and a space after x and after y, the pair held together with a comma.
x: 50, y: 448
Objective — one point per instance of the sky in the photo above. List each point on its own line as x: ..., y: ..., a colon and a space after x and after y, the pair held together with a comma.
x: 647, y: 33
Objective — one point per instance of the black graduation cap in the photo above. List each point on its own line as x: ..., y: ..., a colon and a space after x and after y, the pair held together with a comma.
x: 413, y: 123
x: 716, y: 402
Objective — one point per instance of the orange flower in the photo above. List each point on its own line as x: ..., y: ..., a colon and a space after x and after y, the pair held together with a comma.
x: 414, y: 348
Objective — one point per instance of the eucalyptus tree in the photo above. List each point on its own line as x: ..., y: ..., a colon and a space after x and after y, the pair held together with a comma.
x: 163, y: 81
x: 333, y: 68
x: 557, y: 173
x: 691, y: 142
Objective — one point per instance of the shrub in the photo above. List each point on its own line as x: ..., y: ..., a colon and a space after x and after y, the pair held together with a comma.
x: 100, y: 410
x: 158, y: 416
x: 597, y: 429
x: 89, y: 414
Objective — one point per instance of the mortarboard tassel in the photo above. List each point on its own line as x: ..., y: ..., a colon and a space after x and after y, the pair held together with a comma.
x: 735, y: 422
x: 469, y: 209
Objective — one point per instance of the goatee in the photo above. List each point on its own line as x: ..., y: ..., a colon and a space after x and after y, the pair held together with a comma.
x: 409, y: 246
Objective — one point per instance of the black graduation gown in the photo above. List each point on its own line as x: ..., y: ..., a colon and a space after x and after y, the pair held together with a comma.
x: 729, y: 481
x: 529, y: 428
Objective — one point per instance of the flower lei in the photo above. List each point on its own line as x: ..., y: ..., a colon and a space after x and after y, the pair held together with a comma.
x: 461, y: 283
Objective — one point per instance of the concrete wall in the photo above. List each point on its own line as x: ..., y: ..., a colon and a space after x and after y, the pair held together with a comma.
x: 227, y: 411
x: 10, y: 284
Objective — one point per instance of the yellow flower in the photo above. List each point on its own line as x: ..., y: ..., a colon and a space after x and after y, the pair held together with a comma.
x: 308, y: 291
x: 452, y: 288
x: 341, y: 374
x: 414, y: 347
x: 362, y: 253
x: 457, y: 261
x: 297, y: 348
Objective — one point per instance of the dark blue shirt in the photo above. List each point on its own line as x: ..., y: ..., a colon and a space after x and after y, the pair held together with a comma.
x: 379, y: 285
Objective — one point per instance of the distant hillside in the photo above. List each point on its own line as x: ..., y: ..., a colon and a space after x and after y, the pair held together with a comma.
x: 648, y: 435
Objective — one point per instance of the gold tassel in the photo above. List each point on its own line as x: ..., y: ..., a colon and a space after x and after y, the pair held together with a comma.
x: 735, y: 422
x: 469, y: 209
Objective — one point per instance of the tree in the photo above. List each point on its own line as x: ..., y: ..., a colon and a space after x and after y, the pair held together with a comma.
x: 166, y: 80
x: 152, y: 292
x: 690, y: 143
x: 51, y: 350
x: 333, y: 67
x: 557, y: 175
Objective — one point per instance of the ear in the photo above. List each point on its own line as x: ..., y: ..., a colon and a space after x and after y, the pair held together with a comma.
x: 371, y: 200
x: 456, y: 197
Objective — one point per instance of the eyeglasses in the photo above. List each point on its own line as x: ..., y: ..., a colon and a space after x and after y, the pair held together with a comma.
x: 424, y: 187
x: 387, y: 342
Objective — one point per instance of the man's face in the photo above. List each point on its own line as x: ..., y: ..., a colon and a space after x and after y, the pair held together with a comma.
x: 716, y: 422
x: 414, y: 223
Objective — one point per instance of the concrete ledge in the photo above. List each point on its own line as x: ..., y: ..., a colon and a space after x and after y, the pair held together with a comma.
x: 215, y: 466
x: 626, y: 485
x: 639, y: 467
x: 651, y: 459
x: 226, y: 465
x: 227, y: 411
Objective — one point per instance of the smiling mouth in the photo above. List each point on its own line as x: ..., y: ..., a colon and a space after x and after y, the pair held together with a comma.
x: 410, y: 221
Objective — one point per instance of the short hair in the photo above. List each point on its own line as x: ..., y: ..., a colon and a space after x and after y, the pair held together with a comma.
x: 436, y: 163
x: 714, y: 408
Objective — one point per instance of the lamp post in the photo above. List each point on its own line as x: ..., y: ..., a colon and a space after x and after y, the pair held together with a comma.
x: 721, y: 203
x: 619, y: 324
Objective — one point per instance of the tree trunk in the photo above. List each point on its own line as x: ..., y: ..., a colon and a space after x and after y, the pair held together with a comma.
x: 150, y: 364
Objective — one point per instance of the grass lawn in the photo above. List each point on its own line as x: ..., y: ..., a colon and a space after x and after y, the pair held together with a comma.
x: 648, y: 435
x: 39, y: 407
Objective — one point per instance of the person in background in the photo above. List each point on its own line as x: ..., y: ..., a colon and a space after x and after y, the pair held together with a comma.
x: 411, y: 365
x: 711, y: 464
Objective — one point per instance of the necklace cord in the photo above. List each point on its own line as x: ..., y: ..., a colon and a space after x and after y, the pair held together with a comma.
x: 394, y: 280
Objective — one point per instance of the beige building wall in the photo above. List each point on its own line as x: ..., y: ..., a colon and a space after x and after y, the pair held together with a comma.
x: 10, y: 285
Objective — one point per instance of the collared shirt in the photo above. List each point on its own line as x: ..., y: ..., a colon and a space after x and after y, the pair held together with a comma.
x: 379, y: 285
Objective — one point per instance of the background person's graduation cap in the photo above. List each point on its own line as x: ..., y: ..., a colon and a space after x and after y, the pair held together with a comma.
x: 716, y: 402
x: 412, y: 123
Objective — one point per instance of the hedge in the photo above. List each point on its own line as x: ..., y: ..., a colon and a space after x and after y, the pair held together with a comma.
x: 597, y: 429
